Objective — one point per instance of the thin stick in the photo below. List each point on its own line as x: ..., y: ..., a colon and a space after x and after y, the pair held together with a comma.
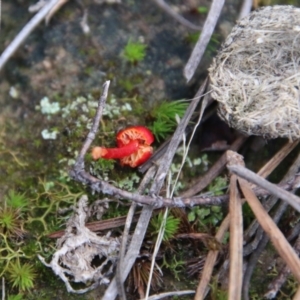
x: 265, y: 171
x: 177, y: 138
x: 24, y: 33
x: 162, y: 148
x: 257, y: 253
x: 292, y: 199
x: 54, y: 9
x: 129, y: 219
x: 122, y: 251
x: 169, y: 294
x: 277, y: 283
x: 284, y: 249
x: 207, y: 31
x: 236, y: 234
x: 268, y: 168
x: 164, y: 6
x: 188, y: 202
x: 246, y: 8
x: 92, y: 134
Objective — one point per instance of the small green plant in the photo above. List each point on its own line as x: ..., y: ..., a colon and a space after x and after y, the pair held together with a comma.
x: 165, y: 115
x: 21, y: 276
x: 217, y: 187
x: 129, y: 183
x: 10, y: 221
x: 174, y: 265
x: 161, y: 129
x: 134, y: 52
x: 16, y: 200
x: 206, y: 215
x: 171, y: 227
x: 202, y: 9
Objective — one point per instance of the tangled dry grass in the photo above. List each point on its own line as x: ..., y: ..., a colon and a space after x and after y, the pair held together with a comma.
x: 255, y: 77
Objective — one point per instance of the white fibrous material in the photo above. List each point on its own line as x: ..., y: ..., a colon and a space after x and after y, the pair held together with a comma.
x: 78, y: 252
x: 255, y: 77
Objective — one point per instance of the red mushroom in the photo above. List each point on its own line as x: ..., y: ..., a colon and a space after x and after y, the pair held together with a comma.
x: 133, y: 147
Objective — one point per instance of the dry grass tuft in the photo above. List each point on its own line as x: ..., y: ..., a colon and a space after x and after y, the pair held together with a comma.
x: 255, y: 77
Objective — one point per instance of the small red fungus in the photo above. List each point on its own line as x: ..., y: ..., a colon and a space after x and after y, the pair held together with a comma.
x: 133, y: 147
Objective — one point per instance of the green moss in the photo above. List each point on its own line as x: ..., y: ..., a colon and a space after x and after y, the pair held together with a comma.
x: 166, y: 116
x: 170, y: 228
x: 21, y: 276
x: 206, y: 217
x: 16, y: 200
x: 218, y: 186
x: 202, y: 9
x: 11, y: 222
x: 134, y: 52
x: 175, y: 265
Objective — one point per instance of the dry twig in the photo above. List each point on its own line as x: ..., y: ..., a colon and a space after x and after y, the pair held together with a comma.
x: 201, y: 200
x: 207, y: 31
x: 242, y: 172
x: 282, y: 246
x: 236, y: 232
x: 164, y: 6
x: 245, y: 9
x: 169, y: 294
x: 27, y: 29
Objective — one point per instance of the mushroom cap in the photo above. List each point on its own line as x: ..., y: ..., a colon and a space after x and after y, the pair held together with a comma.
x: 256, y: 75
x: 145, y: 138
x: 140, y: 133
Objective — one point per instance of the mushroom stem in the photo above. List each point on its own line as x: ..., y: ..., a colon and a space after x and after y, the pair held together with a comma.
x: 115, y: 153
